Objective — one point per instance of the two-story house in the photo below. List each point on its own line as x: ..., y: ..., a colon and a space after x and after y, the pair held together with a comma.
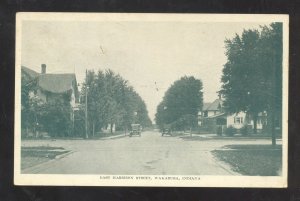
x: 213, y: 116
x: 50, y: 87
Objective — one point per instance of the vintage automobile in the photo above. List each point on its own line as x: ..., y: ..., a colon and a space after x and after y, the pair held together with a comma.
x: 166, y: 130
x: 136, y: 129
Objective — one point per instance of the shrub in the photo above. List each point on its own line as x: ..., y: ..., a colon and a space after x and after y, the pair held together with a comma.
x: 245, y: 130
x: 230, y: 131
x: 219, y: 130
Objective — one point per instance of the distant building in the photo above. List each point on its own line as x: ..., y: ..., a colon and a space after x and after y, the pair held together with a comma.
x: 213, y: 116
x: 212, y: 109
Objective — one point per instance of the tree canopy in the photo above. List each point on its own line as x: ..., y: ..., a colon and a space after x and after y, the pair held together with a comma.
x: 252, y: 75
x: 111, y: 100
x: 184, y: 97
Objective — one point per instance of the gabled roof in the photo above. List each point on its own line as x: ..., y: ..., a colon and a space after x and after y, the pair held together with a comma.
x: 29, y: 72
x: 205, y: 106
x: 214, y: 106
x: 56, y: 83
x: 217, y: 115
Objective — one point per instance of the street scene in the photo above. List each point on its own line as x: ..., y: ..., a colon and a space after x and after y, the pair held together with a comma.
x: 150, y: 154
x: 151, y: 98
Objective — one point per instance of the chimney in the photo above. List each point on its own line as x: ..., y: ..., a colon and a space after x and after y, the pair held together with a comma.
x: 43, y: 69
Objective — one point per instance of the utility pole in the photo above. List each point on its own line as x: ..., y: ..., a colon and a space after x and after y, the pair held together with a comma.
x: 86, y: 107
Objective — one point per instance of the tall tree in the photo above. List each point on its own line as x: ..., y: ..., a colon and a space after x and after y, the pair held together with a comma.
x: 241, y: 75
x: 251, y: 77
x: 112, y: 101
x: 271, y: 64
x: 184, y: 97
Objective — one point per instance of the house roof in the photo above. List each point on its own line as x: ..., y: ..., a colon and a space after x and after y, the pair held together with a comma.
x: 217, y: 115
x: 205, y: 106
x: 214, y: 106
x: 29, y: 72
x: 56, y: 83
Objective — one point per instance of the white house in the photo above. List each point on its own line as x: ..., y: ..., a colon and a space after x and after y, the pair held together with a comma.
x: 213, y: 115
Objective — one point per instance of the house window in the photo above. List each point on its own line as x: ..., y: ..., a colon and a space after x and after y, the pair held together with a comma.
x: 238, y: 120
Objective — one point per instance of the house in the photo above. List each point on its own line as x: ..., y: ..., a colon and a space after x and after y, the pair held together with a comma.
x: 51, y: 87
x: 214, y: 117
x: 210, y: 114
x: 212, y: 109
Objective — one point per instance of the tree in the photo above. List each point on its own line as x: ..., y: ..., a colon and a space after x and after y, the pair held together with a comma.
x: 112, y: 101
x: 29, y: 103
x: 184, y: 97
x: 252, y: 75
x: 54, y: 117
x: 241, y: 75
x: 271, y: 64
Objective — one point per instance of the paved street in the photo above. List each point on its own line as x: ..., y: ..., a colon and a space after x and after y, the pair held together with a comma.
x: 149, y: 154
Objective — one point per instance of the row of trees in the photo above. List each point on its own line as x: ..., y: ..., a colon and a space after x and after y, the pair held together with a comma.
x: 252, y: 76
x: 181, y: 104
x: 112, y: 101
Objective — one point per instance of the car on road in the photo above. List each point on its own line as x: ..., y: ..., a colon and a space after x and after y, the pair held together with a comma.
x: 136, y: 129
x: 166, y: 130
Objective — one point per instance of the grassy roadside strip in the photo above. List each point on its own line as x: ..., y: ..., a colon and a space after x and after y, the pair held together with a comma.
x: 252, y: 160
x: 32, y: 156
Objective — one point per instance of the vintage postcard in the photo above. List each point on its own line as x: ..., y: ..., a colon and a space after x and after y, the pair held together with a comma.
x: 123, y: 99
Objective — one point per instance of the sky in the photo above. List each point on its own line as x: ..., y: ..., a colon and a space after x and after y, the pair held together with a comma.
x: 150, y: 55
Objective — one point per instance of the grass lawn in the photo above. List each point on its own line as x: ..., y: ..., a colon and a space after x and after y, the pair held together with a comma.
x: 31, y: 156
x: 252, y: 160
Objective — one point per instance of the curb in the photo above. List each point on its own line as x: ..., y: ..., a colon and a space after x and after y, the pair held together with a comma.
x: 225, y: 166
x: 35, y: 169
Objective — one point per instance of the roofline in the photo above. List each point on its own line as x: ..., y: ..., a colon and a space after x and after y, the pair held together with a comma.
x: 217, y: 115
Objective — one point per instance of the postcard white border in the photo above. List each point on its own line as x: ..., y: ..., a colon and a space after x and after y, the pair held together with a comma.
x: 94, y: 180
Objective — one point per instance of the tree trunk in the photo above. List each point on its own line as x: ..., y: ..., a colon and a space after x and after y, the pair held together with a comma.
x: 255, y: 123
x: 271, y: 125
x: 273, y: 129
x: 111, y: 128
x: 93, y: 129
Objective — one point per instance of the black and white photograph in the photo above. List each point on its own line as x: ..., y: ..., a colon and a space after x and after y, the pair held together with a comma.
x: 111, y: 99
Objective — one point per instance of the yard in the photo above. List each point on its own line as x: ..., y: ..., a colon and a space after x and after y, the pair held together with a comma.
x: 32, y: 156
x: 252, y: 160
